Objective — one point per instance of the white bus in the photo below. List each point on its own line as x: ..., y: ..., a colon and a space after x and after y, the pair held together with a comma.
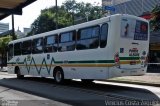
x: 109, y: 47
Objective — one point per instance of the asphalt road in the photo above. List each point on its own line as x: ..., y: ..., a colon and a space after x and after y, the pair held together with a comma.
x: 44, y: 92
x: 10, y: 97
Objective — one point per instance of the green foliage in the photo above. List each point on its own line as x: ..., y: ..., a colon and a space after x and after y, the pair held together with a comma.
x: 68, y: 13
x: 4, y: 42
x: 70, y: 5
x: 3, y: 47
x: 155, y: 21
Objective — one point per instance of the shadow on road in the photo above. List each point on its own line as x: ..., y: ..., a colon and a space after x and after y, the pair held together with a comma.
x: 75, y: 92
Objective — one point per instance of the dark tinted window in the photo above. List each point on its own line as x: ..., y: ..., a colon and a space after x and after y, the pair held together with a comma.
x: 88, y: 38
x: 17, y: 49
x: 104, y: 34
x: 51, y: 43
x: 67, y: 41
x: 89, y: 32
x: 37, y: 45
x: 26, y: 47
x: 141, y: 31
x: 10, y: 52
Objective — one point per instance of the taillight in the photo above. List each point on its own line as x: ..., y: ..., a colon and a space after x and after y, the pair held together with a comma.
x: 117, y: 60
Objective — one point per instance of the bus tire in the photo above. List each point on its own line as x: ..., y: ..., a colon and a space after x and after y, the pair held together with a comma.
x: 18, y: 72
x: 87, y: 80
x: 58, y: 75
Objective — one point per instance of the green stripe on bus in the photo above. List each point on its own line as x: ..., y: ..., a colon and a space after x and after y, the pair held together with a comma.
x: 52, y: 61
x: 87, y: 61
x: 93, y: 61
x: 129, y: 58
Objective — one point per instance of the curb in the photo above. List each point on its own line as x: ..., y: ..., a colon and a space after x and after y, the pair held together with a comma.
x: 132, y: 82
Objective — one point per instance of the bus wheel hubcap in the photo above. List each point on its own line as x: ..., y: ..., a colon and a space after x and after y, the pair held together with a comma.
x: 58, y: 76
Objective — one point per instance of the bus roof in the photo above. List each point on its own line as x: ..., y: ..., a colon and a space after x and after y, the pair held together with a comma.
x: 74, y: 27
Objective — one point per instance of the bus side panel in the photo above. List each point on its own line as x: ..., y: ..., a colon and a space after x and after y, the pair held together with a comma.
x: 86, y: 73
x: 10, y: 69
x: 112, y: 46
x: 83, y: 64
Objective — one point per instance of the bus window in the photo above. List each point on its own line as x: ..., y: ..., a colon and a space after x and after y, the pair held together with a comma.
x: 50, y: 43
x: 10, y: 52
x: 67, y: 41
x: 134, y: 29
x: 104, y: 35
x: 37, y: 45
x: 141, y: 31
x: 26, y: 47
x: 17, y: 49
x: 88, y: 38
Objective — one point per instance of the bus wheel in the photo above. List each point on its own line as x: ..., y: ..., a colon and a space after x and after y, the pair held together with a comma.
x: 87, y: 80
x: 18, y: 72
x: 58, y: 75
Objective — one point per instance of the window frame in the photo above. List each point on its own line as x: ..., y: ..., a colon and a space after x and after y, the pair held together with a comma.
x: 101, y: 35
x: 45, y: 45
x: 91, y: 38
x: 18, y: 49
x: 25, y: 47
x: 10, y: 56
x: 34, y: 46
x: 88, y: 28
x: 74, y: 34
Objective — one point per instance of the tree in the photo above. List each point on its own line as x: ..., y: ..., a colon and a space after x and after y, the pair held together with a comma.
x: 85, y: 10
x: 155, y: 21
x: 3, y: 48
x: 46, y: 21
x: 66, y: 16
x: 43, y: 23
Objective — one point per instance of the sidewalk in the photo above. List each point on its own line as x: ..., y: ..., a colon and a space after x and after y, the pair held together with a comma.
x: 150, y: 79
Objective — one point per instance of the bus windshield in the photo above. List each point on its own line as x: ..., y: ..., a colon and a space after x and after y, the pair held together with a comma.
x: 134, y: 29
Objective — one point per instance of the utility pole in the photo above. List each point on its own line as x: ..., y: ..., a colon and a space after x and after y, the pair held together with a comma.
x: 13, y: 31
x: 56, y: 15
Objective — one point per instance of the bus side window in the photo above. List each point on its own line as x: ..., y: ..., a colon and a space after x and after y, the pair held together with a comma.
x: 67, y: 41
x: 88, y: 38
x: 17, y: 49
x: 50, y: 44
x: 10, y: 52
x: 104, y: 35
x: 26, y: 47
x: 37, y: 45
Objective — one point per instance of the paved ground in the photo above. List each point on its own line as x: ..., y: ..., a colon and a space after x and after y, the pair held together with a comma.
x: 76, y: 93
x: 152, y: 79
x: 10, y: 97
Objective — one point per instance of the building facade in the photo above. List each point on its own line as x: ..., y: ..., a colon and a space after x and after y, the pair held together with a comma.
x: 112, y: 2
x: 4, y: 27
x: 132, y: 7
